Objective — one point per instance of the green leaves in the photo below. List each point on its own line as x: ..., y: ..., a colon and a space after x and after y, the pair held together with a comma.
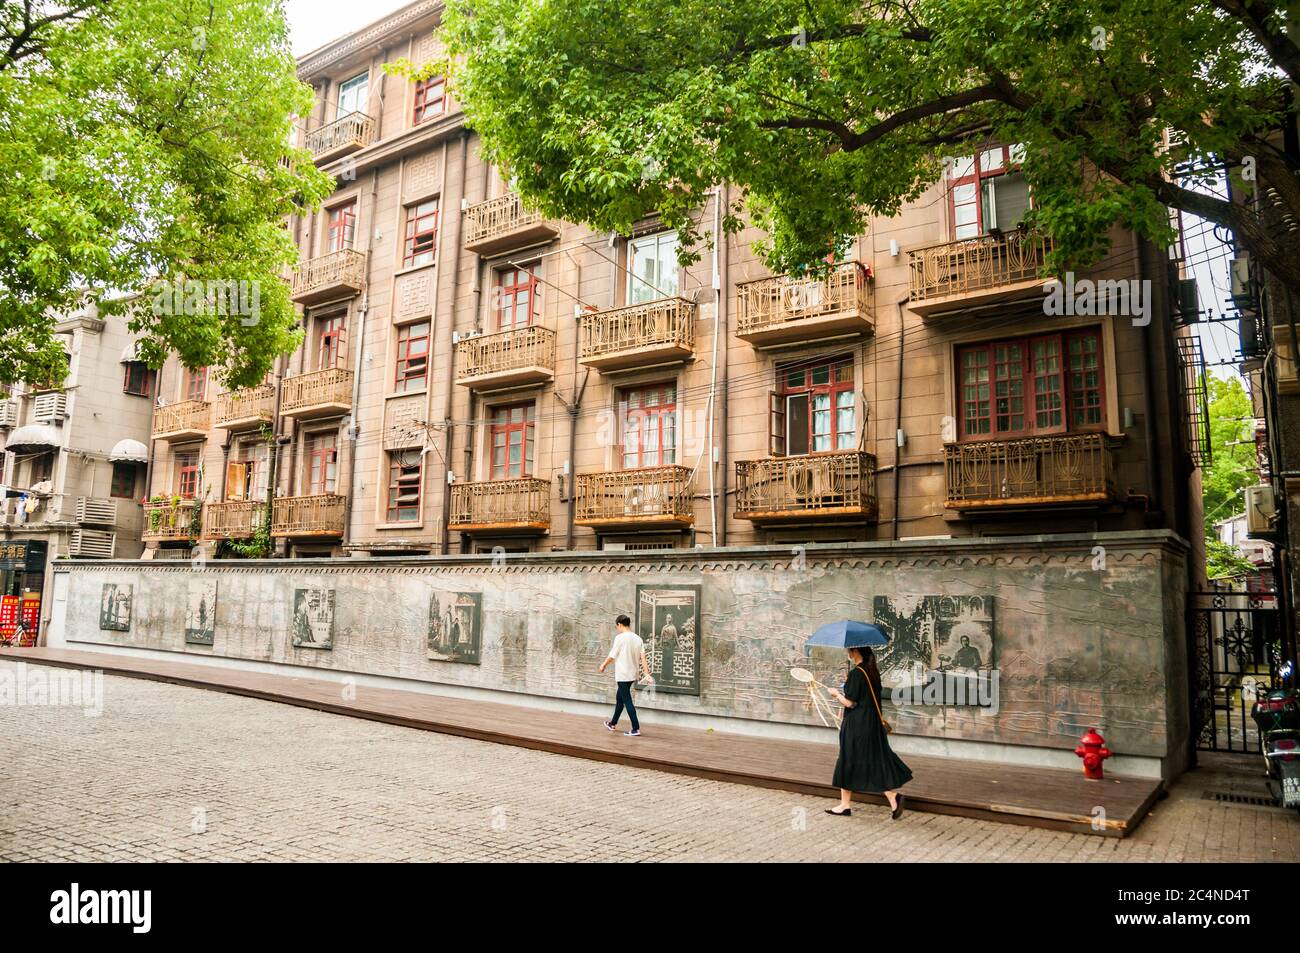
x: 146, y: 143
x: 828, y: 113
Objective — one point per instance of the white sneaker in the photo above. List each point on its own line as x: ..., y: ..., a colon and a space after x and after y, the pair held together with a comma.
x: 609, y: 726
x: 632, y: 734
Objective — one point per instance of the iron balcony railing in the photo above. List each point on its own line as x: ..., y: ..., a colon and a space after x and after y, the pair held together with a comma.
x: 501, y: 504
x: 318, y: 515
x: 169, y: 519
x: 630, y: 496
x: 1063, y: 468
x: 233, y: 519
x: 825, y: 484
x: 770, y: 302
x: 497, y: 218
x: 250, y: 404
x: 486, y: 355
x: 188, y: 416
x: 332, y: 386
x: 343, y: 270
x: 668, y: 323
x: 353, y: 131
x: 976, y: 264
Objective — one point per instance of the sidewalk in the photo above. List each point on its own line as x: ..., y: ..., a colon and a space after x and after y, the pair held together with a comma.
x: 1038, y: 797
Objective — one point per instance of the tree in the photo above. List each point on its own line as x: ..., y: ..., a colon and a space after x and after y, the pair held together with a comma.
x: 1223, y: 560
x: 145, y: 144
x: 824, y: 113
x: 1232, y: 451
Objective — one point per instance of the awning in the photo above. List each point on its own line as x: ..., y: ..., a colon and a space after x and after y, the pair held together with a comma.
x: 130, y: 353
x: 129, y: 451
x: 33, y: 438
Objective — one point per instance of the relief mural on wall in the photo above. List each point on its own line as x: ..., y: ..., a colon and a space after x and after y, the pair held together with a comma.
x: 456, y: 627
x: 115, y: 607
x: 201, y: 612
x: 313, y: 618
x: 951, y: 634
x: 668, y: 620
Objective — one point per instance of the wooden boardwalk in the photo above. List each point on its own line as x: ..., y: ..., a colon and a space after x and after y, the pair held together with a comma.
x: 1041, y: 797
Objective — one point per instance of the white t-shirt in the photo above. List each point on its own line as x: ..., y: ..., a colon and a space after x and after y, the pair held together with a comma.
x: 626, y: 653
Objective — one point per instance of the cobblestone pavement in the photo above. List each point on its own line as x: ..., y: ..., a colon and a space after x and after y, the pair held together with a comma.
x: 174, y: 773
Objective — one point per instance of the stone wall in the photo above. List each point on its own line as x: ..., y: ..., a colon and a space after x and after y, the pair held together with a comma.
x: 1087, y: 629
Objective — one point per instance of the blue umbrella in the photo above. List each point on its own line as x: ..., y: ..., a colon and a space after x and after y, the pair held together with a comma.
x: 848, y: 634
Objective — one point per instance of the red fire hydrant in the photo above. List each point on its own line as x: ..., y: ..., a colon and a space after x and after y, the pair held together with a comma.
x: 1092, y: 749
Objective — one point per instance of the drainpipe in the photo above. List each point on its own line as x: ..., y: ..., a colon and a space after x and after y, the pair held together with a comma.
x: 1154, y: 516
x: 273, y: 451
x: 720, y: 327
x: 448, y: 426
x: 477, y: 289
x: 898, y: 408
x: 354, y: 429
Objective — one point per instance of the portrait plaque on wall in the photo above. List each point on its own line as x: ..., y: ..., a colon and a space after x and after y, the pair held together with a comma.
x: 201, y: 612
x: 115, y: 607
x: 455, y: 627
x: 668, y: 620
x: 313, y: 618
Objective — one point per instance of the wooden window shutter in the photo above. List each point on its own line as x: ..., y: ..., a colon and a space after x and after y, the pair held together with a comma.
x: 776, y: 424
x: 236, y: 474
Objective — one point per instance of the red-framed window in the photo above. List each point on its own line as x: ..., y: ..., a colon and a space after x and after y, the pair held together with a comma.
x: 516, y: 298
x: 341, y: 227
x: 987, y: 191
x: 124, y: 480
x: 412, y: 355
x: 648, y: 425
x: 1049, y: 383
x: 430, y: 98
x: 331, y: 339
x: 511, y: 433
x: 404, y: 486
x: 322, y: 463
x: 137, y: 379
x: 187, y: 474
x: 421, y: 233
x: 812, y: 410
x: 196, y: 384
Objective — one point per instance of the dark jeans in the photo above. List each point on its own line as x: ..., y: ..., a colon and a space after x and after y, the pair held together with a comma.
x: 625, y: 701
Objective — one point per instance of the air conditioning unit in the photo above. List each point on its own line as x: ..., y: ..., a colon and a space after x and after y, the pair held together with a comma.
x: 1189, y: 305
x: 91, y: 544
x: 96, y: 512
x: 1261, y: 511
x: 8, y: 413
x: 1243, y: 296
x: 50, y: 408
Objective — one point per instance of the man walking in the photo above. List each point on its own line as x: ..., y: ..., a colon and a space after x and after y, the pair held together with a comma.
x: 628, y: 655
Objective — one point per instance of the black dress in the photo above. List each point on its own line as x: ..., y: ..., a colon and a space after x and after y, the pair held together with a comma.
x: 866, y: 762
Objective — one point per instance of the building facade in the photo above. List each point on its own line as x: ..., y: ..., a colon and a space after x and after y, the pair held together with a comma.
x: 477, y: 379
x: 74, y: 462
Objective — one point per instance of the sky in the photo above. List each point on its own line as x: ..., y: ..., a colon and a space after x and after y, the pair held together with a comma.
x: 313, y: 23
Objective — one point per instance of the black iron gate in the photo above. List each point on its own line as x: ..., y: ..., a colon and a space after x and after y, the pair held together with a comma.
x: 1236, y: 651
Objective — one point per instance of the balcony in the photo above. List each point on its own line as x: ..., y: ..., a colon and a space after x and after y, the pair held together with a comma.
x: 645, y: 498
x: 309, y: 516
x: 506, y: 359
x: 821, y: 486
x: 326, y: 393
x: 792, y: 310
x: 1034, y: 471
x: 503, y: 223
x: 246, y: 409
x: 236, y: 519
x: 341, y: 137
x: 187, y: 420
x: 991, y: 269
x: 340, y: 274
x: 655, y: 332
x: 171, y: 521
x: 501, y: 506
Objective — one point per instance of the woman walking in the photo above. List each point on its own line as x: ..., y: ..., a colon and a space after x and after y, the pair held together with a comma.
x: 866, y: 762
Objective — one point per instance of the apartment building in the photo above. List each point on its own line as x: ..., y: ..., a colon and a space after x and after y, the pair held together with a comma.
x: 475, y: 378
x: 74, y: 462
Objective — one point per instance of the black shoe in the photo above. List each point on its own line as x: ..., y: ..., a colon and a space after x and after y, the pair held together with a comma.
x: 897, y: 812
x: 848, y: 811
